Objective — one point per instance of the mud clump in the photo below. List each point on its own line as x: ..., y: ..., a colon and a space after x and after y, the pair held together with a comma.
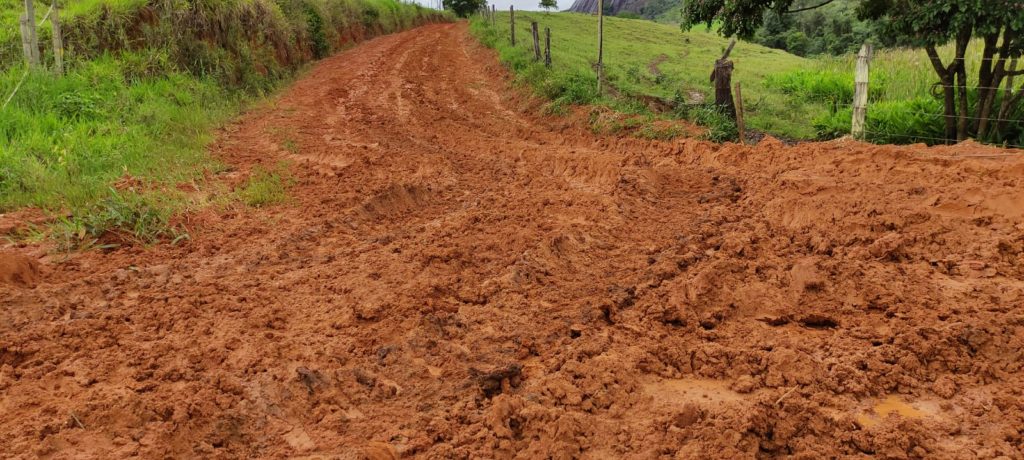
x: 497, y: 381
x: 18, y: 269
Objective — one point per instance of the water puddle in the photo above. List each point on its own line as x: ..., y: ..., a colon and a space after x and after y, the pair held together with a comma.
x: 895, y: 405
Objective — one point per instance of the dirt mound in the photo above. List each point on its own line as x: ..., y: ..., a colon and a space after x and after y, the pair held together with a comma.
x: 17, y: 269
x: 455, y: 278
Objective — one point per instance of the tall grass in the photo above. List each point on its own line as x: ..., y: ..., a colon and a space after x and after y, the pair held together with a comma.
x: 901, y: 73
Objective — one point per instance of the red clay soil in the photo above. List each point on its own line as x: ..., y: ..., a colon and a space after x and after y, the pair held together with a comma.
x: 457, y: 277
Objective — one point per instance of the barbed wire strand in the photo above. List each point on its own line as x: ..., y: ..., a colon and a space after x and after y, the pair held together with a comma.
x: 943, y: 140
x: 16, y: 88
x: 975, y: 87
x: 969, y: 118
x: 1008, y: 59
x: 46, y: 16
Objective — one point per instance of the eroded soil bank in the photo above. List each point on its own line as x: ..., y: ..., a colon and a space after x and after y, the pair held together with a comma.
x: 456, y: 277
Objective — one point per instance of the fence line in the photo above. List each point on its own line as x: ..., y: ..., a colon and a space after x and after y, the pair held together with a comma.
x: 940, y: 85
x: 969, y: 118
x: 45, y: 16
x: 1008, y: 59
x: 942, y: 140
x: 16, y: 88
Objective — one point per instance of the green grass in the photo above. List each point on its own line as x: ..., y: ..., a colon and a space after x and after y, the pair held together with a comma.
x: 121, y: 217
x: 64, y: 140
x: 683, y: 61
x: 69, y: 144
x: 267, y: 187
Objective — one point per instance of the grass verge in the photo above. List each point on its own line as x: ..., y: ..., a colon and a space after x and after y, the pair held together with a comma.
x: 646, y: 60
x: 147, y: 83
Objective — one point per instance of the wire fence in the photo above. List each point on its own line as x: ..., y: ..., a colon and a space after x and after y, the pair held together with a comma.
x: 928, y: 123
x: 938, y: 140
x: 940, y: 85
x: 966, y: 117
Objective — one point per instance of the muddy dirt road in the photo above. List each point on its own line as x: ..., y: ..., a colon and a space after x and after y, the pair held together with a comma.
x: 457, y: 277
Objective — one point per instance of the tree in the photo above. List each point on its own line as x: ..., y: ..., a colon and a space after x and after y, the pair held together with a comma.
x: 797, y: 43
x: 548, y: 5
x: 931, y: 23
x: 922, y: 23
x: 464, y: 8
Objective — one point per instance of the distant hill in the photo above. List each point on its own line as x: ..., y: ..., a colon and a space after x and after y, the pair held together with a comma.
x: 611, y: 6
x: 657, y: 10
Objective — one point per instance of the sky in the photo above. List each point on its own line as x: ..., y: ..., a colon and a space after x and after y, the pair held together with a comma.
x: 525, y: 5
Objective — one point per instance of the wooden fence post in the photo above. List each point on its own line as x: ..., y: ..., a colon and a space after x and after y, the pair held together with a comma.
x: 722, y: 78
x: 493, y: 13
x: 740, y: 126
x: 547, y: 47
x: 600, y: 44
x: 58, y: 39
x: 512, y: 22
x: 536, y: 40
x: 26, y: 38
x: 30, y: 14
x: 860, y: 91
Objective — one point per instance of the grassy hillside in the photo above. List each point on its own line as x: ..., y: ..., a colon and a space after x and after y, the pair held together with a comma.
x: 647, y: 58
x: 784, y: 95
x: 110, y: 143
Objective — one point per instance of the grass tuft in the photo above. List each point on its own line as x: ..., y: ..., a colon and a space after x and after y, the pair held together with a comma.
x: 267, y: 187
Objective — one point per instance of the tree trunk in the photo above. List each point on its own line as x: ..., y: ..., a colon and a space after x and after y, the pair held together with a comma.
x: 999, y: 73
x: 987, y: 73
x: 948, y: 91
x: 962, y: 40
x: 1008, y: 98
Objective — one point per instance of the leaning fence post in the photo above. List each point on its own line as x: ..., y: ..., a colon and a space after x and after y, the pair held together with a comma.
x: 512, y: 22
x: 547, y: 47
x: 740, y: 126
x: 860, y: 91
x: 58, y: 39
x: 534, y: 30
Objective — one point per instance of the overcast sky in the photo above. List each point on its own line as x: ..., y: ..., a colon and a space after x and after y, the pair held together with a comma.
x: 526, y: 5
